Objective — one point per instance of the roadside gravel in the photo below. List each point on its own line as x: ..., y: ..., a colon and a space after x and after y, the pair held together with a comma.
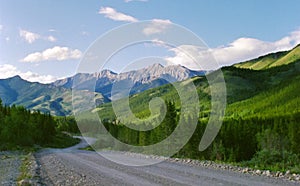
x: 76, y: 167
x: 10, y: 163
x: 291, y: 177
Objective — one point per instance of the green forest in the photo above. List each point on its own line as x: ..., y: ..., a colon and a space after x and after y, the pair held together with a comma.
x: 261, y: 127
x: 22, y: 128
x: 263, y: 142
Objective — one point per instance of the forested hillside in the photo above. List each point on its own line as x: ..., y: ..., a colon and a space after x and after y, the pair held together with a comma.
x: 261, y: 125
x: 46, y: 98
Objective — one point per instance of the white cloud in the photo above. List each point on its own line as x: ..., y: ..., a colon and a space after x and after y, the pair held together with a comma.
x: 1, y: 28
x: 7, y: 71
x: 56, y: 53
x: 239, y: 50
x: 31, y: 37
x: 34, y: 77
x: 192, y: 57
x: 128, y: 1
x: 51, y: 38
x: 157, y: 26
x: 114, y: 15
x: 160, y: 43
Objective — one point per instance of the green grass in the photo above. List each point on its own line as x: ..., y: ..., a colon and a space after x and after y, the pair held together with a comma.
x: 272, y: 60
x: 25, y: 167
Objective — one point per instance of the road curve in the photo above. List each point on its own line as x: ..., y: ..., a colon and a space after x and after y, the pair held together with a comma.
x: 71, y: 166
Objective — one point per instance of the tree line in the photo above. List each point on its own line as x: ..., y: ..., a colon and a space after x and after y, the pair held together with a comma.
x: 20, y: 127
x: 267, y: 142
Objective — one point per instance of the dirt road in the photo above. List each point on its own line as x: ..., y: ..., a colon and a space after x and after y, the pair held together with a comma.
x: 77, y: 167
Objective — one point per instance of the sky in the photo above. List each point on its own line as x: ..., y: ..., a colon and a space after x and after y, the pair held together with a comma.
x: 45, y: 40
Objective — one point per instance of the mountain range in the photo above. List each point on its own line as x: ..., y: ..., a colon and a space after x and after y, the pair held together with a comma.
x: 244, y: 81
x: 268, y: 86
x: 56, y: 97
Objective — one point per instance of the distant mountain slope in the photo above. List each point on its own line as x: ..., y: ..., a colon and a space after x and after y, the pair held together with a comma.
x: 142, y: 79
x: 272, y: 60
x: 270, y: 92
x: 56, y: 97
x: 36, y: 96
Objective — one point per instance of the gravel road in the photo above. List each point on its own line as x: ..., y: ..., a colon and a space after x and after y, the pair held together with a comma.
x: 77, y: 167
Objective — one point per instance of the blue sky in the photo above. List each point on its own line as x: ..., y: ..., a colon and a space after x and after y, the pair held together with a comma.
x: 44, y: 40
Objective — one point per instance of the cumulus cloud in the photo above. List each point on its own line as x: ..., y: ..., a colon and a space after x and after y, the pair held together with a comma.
x: 192, y: 57
x: 157, y: 26
x: 31, y: 37
x: 34, y: 77
x: 241, y: 49
x: 56, y: 53
x: 117, y: 16
x: 7, y: 71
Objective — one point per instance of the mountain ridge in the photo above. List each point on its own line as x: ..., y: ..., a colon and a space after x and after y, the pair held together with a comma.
x: 56, y: 98
x: 141, y: 79
x: 272, y: 60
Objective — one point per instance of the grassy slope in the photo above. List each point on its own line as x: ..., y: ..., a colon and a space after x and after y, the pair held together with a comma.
x: 270, y: 92
x: 272, y: 60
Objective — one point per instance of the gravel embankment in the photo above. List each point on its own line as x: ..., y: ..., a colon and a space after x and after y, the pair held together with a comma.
x: 219, y: 166
x: 10, y: 163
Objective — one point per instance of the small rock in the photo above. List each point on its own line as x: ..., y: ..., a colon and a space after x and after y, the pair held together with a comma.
x: 24, y: 182
x: 258, y: 172
x: 268, y: 173
x: 245, y: 170
x: 280, y: 174
x: 287, y: 172
x: 277, y: 174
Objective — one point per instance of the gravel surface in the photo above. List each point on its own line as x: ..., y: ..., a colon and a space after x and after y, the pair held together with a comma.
x: 10, y: 163
x: 76, y: 167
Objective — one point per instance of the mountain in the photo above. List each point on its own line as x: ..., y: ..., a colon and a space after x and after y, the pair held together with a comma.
x: 251, y: 80
x: 36, y: 96
x: 272, y: 60
x: 268, y: 91
x: 142, y: 79
x: 56, y: 97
